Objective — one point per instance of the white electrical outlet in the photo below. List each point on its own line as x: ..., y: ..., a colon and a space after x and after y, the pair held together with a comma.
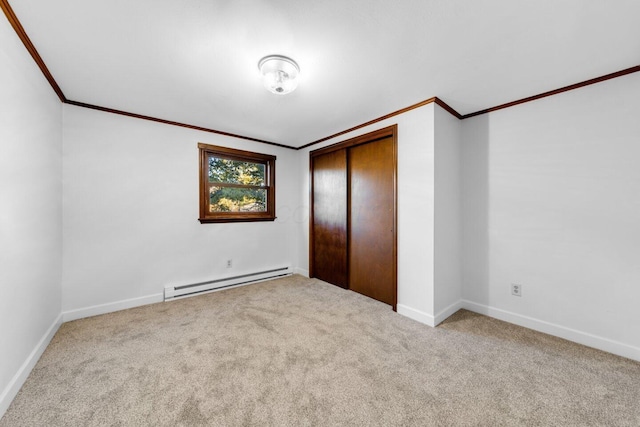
x: 516, y: 290
x: 229, y: 263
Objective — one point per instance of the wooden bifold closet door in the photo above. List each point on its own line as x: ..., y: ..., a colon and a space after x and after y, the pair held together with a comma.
x: 353, y: 215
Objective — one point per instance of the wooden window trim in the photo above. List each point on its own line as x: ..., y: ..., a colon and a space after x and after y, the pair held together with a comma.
x: 269, y: 161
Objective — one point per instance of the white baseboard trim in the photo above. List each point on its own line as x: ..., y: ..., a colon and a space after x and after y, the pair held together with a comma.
x: 416, y: 315
x: 301, y: 272
x: 96, y: 310
x: 579, y: 337
x: 443, y: 314
x: 14, y: 386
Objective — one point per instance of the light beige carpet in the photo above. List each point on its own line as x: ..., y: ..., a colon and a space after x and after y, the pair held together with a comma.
x: 300, y: 352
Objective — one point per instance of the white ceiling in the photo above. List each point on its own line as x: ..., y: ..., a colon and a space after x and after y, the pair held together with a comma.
x: 195, y: 61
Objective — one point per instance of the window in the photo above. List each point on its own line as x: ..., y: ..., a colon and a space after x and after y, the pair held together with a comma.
x: 236, y: 185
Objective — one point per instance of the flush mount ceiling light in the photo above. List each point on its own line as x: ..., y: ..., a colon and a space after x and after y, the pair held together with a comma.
x: 279, y: 74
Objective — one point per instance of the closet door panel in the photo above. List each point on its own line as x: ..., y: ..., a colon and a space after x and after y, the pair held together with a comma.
x: 329, y: 227
x: 372, y: 262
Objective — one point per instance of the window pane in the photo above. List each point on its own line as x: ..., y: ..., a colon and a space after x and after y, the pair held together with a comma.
x: 236, y: 172
x: 236, y: 185
x: 230, y: 199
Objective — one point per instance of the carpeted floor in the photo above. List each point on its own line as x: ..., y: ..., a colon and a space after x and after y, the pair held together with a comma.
x: 300, y: 352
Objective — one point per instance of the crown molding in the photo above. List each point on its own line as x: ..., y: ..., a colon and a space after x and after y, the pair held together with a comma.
x: 459, y: 116
x: 17, y: 26
x: 172, y: 123
x: 19, y: 29
x: 370, y: 122
x: 22, y: 34
x: 610, y: 76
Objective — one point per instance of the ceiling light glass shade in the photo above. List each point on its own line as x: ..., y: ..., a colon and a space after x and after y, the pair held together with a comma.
x: 279, y: 74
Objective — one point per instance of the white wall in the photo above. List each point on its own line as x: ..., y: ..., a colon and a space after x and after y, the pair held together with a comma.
x: 30, y: 213
x: 131, y: 213
x: 448, y: 221
x: 415, y: 208
x: 551, y: 193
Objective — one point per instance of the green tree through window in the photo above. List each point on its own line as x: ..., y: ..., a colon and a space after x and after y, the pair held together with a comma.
x: 251, y: 197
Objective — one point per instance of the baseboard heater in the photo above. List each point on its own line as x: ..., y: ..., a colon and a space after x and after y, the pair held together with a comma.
x: 182, y: 291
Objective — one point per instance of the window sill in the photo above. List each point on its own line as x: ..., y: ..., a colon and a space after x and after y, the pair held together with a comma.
x: 235, y: 219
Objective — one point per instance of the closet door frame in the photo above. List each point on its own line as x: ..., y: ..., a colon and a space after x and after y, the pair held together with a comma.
x: 387, y: 132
